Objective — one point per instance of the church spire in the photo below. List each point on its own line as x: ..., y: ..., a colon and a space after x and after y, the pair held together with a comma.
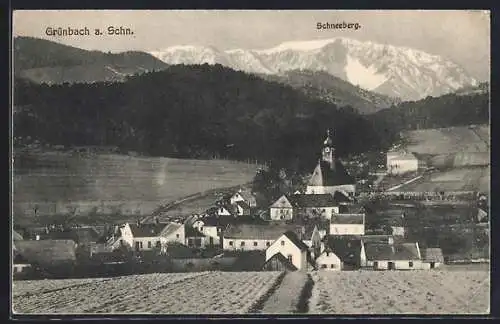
x: 328, y: 140
x: 328, y: 153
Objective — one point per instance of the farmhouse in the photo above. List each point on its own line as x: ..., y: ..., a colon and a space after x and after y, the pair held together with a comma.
x: 347, y: 224
x: 289, y: 206
x: 432, y: 258
x: 400, y: 162
x: 341, y: 253
x: 244, y: 196
x: 211, y: 227
x: 246, y: 237
x: 330, y: 175
x: 279, y: 262
x: 403, y: 256
x: 291, y: 247
x: 146, y: 237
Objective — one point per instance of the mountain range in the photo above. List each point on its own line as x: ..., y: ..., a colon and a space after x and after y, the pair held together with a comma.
x: 401, y: 72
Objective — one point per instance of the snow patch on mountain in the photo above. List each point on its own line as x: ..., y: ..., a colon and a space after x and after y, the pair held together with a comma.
x: 364, y: 77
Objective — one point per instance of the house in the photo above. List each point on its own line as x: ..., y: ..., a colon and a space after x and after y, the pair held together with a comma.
x: 289, y: 245
x: 403, y: 256
x: 20, y: 265
x: 278, y: 262
x: 195, y: 238
x: 241, y: 208
x: 245, y: 237
x: 223, y: 211
x: 330, y: 175
x: 244, y: 196
x: 432, y: 258
x: 348, y: 250
x: 347, y: 224
x: 400, y: 162
x: 142, y: 237
x: 47, y: 253
x: 288, y: 207
x: 173, y: 232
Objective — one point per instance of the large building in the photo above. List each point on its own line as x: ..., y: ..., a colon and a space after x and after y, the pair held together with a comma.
x: 400, y: 162
x: 330, y: 176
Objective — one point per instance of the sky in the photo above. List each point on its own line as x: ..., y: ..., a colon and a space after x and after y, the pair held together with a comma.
x: 458, y: 35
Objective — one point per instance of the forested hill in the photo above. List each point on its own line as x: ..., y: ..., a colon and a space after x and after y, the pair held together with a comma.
x: 454, y: 109
x: 192, y: 111
x: 43, y: 61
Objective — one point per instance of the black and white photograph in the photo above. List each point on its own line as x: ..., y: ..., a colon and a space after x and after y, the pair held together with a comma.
x: 246, y: 162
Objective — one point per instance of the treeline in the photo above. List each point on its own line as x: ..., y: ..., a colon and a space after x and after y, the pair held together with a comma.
x: 196, y: 111
x: 436, y: 112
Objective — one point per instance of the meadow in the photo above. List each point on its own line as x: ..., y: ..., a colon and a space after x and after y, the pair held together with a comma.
x: 54, y: 183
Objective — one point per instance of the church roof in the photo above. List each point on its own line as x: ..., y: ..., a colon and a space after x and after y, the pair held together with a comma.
x: 325, y: 176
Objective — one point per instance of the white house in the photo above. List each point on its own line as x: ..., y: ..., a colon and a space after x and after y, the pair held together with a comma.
x: 144, y: 237
x: 289, y: 206
x: 349, y: 250
x: 210, y: 229
x: 432, y: 258
x: 223, y: 211
x: 347, y: 224
x: 248, y: 237
x: 245, y: 196
x: 403, y: 256
x: 173, y: 232
x: 401, y: 162
x: 328, y: 261
x: 289, y: 245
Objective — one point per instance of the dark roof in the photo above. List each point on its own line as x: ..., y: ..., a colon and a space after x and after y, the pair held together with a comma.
x: 47, y: 251
x: 432, y: 255
x: 402, y: 251
x: 147, y: 230
x: 340, y: 197
x: 311, y: 201
x: 292, y: 236
x: 258, y: 231
x: 323, y: 175
x: 348, y: 219
x: 85, y: 235
x: 242, y: 204
x: 348, y: 249
x: 281, y: 259
x: 193, y: 232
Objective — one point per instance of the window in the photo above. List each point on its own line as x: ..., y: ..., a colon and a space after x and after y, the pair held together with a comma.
x: 158, y: 244
x: 140, y: 245
x: 255, y: 243
x: 177, y: 235
x: 332, y: 266
x: 268, y: 243
x: 201, y: 229
x: 323, y: 266
x: 327, y: 253
x: 149, y: 244
x: 242, y: 243
x: 190, y: 242
x: 230, y: 243
x: 282, y: 243
x: 410, y: 264
x: 289, y: 257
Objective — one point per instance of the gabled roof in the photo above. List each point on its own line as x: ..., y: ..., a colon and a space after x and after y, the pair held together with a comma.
x: 402, y: 251
x: 432, y: 255
x: 281, y: 259
x: 312, y: 201
x: 248, y: 260
x: 170, y: 228
x: 47, y: 251
x: 242, y: 204
x: 341, y: 197
x: 146, y: 230
x: 347, y: 249
x: 325, y: 176
x: 348, y: 219
x: 292, y: 236
x: 245, y: 194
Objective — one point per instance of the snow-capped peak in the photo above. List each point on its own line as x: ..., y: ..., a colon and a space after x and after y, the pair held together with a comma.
x: 391, y: 70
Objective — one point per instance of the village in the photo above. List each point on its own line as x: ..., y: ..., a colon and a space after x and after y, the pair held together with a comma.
x: 323, y: 228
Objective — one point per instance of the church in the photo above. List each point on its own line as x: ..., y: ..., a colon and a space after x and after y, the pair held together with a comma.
x: 330, y: 175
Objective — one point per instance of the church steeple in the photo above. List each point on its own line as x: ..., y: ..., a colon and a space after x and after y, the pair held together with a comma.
x: 328, y: 152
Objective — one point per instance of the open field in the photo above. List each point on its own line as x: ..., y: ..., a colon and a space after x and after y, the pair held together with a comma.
x: 459, y: 179
x: 53, y: 183
x: 166, y: 293
x: 400, y: 292
x: 473, y: 138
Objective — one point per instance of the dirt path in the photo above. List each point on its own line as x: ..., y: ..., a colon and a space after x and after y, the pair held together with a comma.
x: 290, y: 296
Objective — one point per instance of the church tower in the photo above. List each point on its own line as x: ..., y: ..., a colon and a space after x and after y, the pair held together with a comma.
x: 328, y: 153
